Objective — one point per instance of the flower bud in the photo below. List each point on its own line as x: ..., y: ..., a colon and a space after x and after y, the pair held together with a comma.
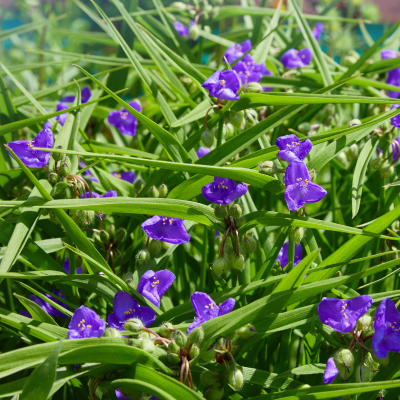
x: 154, y: 247
x: 84, y: 217
x: 111, y: 332
x: 104, y: 236
x: 221, y: 224
x: 363, y: 374
x: 344, y: 361
x: 352, y: 152
x: 228, y: 249
x: 178, y: 5
x: 237, y: 118
x: 250, y: 244
x: 148, y: 346
x: 365, y: 323
x: 268, y: 168
x: 371, y: 363
x: 208, y: 356
x: 230, y: 336
x: 194, y: 32
x: 206, y: 28
x: 173, y: 347
x: 247, y: 331
x: 98, y: 242
x: 111, y: 231
x: 219, y: 266
x: 120, y: 235
x: 180, y: 338
x: 220, y: 211
x: 240, y: 221
x: 194, y: 352
x: 165, y: 246
x: 235, y: 211
x: 341, y: 157
x: 296, y: 234
x: 163, y: 190
x: 64, y: 166
x: 230, y: 130
x: 387, y: 172
x: 208, y: 378
x: 53, y: 178
x: 166, y: 329
x: 354, y: 122
x: 138, y: 185
x: 304, y: 127
x: 237, y: 261
x: 253, y: 87
x: 173, y: 358
x: 207, y: 138
x: 377, y: 163
x: 242, y: 250
x: 143, y: 257
x: 236, y: 378
x: 57, y: 156
x: 251, y: 118
x: 215, y: 393
x: 196, y: 335
x: 153, y: 192
x: 313, y: 174
x: 134, y: 325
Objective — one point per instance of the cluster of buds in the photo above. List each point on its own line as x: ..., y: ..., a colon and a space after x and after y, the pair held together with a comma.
x: 159, y: 192
x: 244, y: 119
x: 152, y: 248
x: 138, y: 185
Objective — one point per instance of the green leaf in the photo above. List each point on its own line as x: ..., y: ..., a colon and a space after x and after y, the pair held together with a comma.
x: 35, y: 310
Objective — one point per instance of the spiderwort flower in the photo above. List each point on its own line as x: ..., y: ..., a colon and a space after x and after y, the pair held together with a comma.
x: 126, y: 307
x: 395, y: 121
x: 299, y: 188
x: 30, y: 157
x: 223, y: 85
x: 283, y: 254
x: 206, y: 309
x: 387, y: 54
x: 85, y: 323
x: 60, y: 118
x: 248, y: 71
x: 202, y: 151
x: 290, y: 148
x: 120, y: 396
x: 342, y: 315
x: 223, y: 190
x: 296, y: 58
x: 393, y: 78
x: 49, y: 309
x: 124, y: 120
x: 317, y: 30
x: 236, y: 51
x: 153, y: 285
x: 110, y: 193
x: 182, y: 30
x: 67, y: 269
x: 170, y: 230
x: 128, y: 176
x: 85, y: 96
x: 387, y: 329
x: 331, y: 372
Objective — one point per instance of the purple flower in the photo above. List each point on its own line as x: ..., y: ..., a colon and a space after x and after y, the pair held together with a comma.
x: 393, y: 78
x: 85, y: 96
x: 206, y: 309
x: 67, y: 269
x: 183, y: 30
x: 128, y: 176
x: 60, y: 118
x: 342, y: 315
x: 296, y: 58
x: 153, y: 285
x: 386, y: 54
x: 110, y: 193
x: 202, y: 151
x: 223, y: 190
x: 46, y: 306
x: 223, y: 85
x: 126, y: 307
x: 283, y: 254
x: 170, y: 230
x: 85, y: 323
x: 395, y: 121
x: 387, y: 329
x: 124, y: 120
x: 248, y: 71
x: 236, y: 51
x: 30, y: 157
x: 120, y: 396
x: 331, y: 372
x: 317, y: 30
x: 290, y: 148
x: 299, y: 188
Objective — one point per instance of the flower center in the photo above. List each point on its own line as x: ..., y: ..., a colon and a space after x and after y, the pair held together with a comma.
x: 117, y: 175
x: 222, y: 82
x: 210, y: 306
x: 292, y: 146
x: 166, y: 219
x: 156, y: 282
x: 222, y: 185
x: 306, y: 182
x: 394, y: 327
x: 82, y: 323
x: 238, y: 47
x: 344, y: 309
x: 30, y: 143
x: 128, y: 312
x: 124, y: 114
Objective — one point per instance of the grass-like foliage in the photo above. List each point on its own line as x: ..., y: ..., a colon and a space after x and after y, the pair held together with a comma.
x: 198, y: 199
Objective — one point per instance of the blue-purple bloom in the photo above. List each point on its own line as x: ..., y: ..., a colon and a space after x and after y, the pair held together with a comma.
x: 67, y: 269
x: 395, y: 121
x: 126, y: 307
x: 53, y: 312
x: 387, y: 54
x: 296, y: 58
x: 85, y: 323
x: 342, y: 315
x: 248, y: 71
x: 110, y: 193
x: 153, y: 285
x: 128, y: 176
x: 236, y: 51
x: 202, y: 151
x: 317, y: 30
x: 393, y: 78
x: 331, y: 372
x: 87, y: 174
x: 299, y: 188
x: 60, y: 118
x: 290, y: 147
x: 223, y: 191
x: 387, y: 329
x: 124, y: 120
x: 283, y: 254
x: 206, y: 309
x: 120, y: 396
x: 183, y: 30
x: 166, y: 229
x: 85, y: 96
x: 30, y: 157
x: 223, y: 85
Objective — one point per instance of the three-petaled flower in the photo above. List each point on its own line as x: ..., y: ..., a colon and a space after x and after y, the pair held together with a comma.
x: 124, y: 120
x: 342, y: 315
x: 317, y: 30
x: 223, y: 190
x: 182, y: 30
x: 387, y: 54
x: 126, y: 307
x: 223, y: 85
x: 290, y: 147
x: 25, y: 151
x: 85, y: 96
x: 85, y: 323
x: 128, y: 176
x: 393, y: 78
x: 60, y: 118
x: 387, y: 329
x: 202, y: 151
x: 236, y: 51
x: 296, y: 58
x: 166, y: 229
x: 206, y: 309
x: 153, y: 285
x: 248, y: 71
x: 299, y: 188
x: 331, y: 372
x: 283, y: 254
x: 67, y: 268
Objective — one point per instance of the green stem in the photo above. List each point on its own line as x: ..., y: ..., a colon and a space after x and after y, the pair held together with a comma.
x: 290, y: 255
x: 220, y: 129
x: 203, y: 273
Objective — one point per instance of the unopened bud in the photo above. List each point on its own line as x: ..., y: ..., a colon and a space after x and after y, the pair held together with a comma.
x: 236, y: 378
x: 363, y: 374
x: 341, y: 157
x: 134, y: 325
x: 235, y: 211
x: 228, y: 249
x: 304, y: 127
x: 120, y: 235
x: 230, y: 336
x: 165, y: 246
x: 194, y: 32
x: 111, y: 231
x: 178, y: 5
x: 268, y: 168
x: 246, y: 332
x: 237, y: 118
x: 313, y: 174
x: 253, y: 87
x: 207, y: 138
x: 251, y: 118
x: 237, y: 261
x: 196, y: 335
x: 163, y: 190
x: 53, y: 178
x: 194, y: 352
x: 354, y: 122
x: 208, y: 356
x: 387, y: 172
x: 57, y: 156
x: 143, y: 257
x: 104, y: 236
x: 84, y: 217
x: 219, y: 266
x: 208, y: 378
x: 250, y: 244
x: 166, y: 329
x: 97, y: 241
x: 138, y: 185
x: 296, y: 234
x: 148, y: 346
x: 216, y: 393
x: 111, y: 332
x: 230, y: 130
x: 352, y: 151
x: 153, y: 192
x: 344, y: 361
x: 365, y: 323
x: 180, y: 338
x: 154, y: 247
x: 240, y: 221
x: 220, y: 211
x: 376, y: 163
x: 173, y: 358
x: 173, y: 347
x: 64, y: 166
